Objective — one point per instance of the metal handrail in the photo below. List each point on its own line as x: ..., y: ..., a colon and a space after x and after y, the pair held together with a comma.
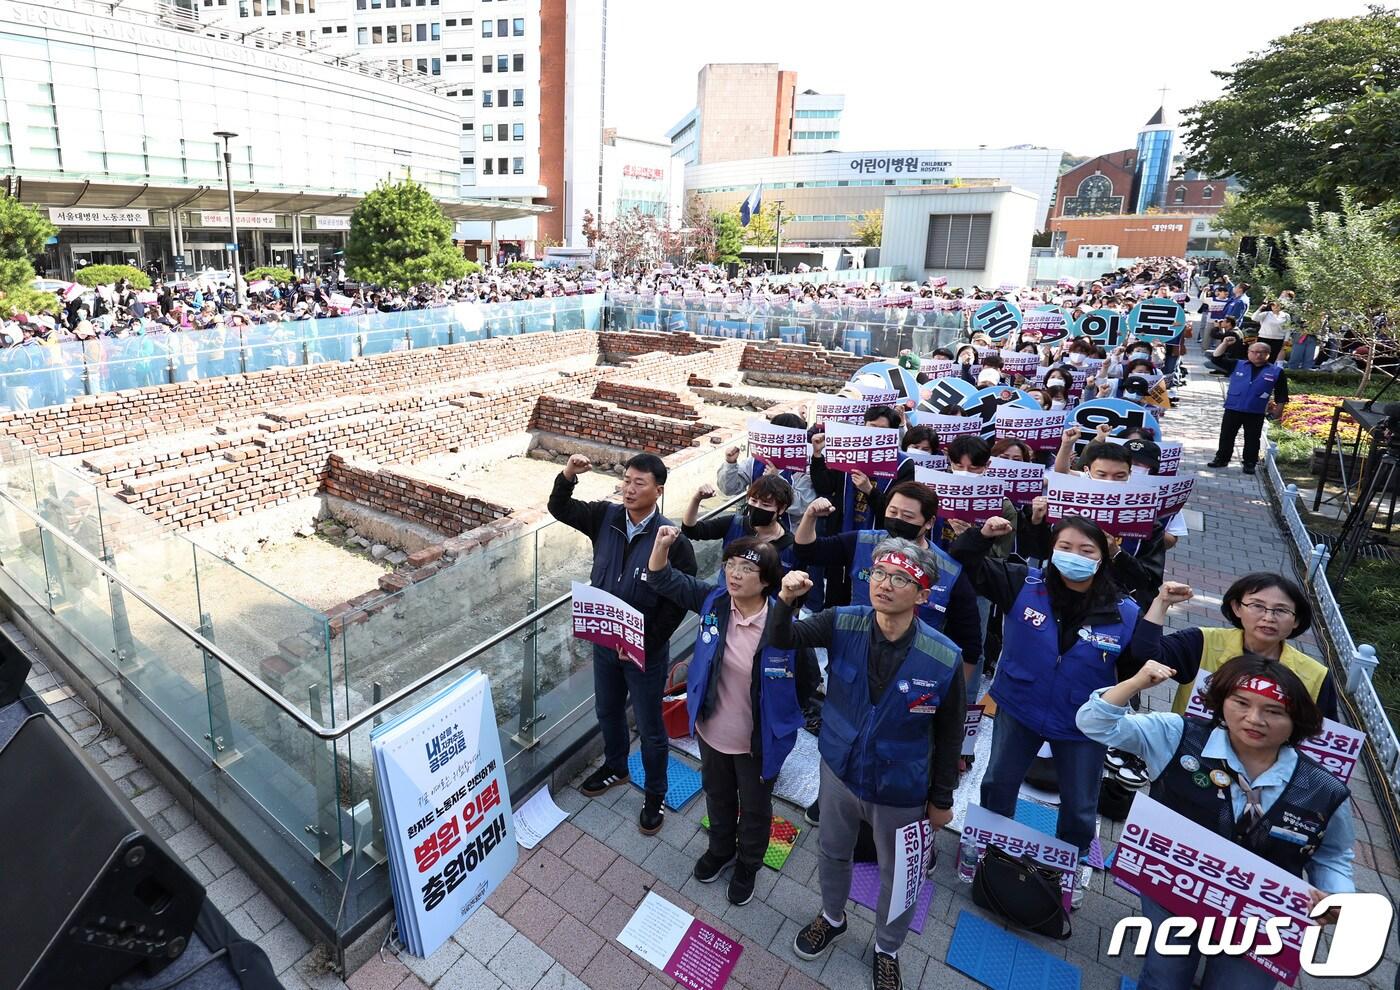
x: 270, y: 693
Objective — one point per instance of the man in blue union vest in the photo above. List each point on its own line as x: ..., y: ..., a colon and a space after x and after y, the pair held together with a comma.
x: 1256, y: 388
x: 892, y: 730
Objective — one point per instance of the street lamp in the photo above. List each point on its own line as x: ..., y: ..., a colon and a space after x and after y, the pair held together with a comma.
x: 778, y: 242
x: 232, y: 217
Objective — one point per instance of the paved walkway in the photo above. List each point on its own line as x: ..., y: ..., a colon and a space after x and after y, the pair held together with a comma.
x: 552, y: 924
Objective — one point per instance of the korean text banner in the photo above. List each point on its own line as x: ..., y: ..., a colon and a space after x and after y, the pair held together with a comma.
x: 1040, y: 430
x: 610, y: 622
x: 1123, y: 509
x: 784, y: 447
x: 838, y: 409
x: 446, y: 809
x: 1024, y: 482
x: 1192, y: 872
x: 868, y: 449
x: 972, y: 498
x: 947, y: 428
x: 982, y: 828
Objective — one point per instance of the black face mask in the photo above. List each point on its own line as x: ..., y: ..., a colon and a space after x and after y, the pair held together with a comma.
x: 903, y: 529
x: 758, y: 518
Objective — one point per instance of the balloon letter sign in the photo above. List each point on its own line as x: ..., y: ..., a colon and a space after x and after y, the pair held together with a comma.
x: 1157, y: 319
x: 1103, y: 326
x: 998, y: 319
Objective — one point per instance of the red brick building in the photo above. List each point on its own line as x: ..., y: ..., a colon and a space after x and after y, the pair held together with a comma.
x: 1104, y: 185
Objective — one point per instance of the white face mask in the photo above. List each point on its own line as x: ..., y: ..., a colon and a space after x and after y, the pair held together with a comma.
x: 1056, y: 405
x: 1075, y: 358
x: 1140, y: 469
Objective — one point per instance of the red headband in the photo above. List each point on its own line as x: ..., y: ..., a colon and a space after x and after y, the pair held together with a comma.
x: 1264, y: 687
x: 903, y: 563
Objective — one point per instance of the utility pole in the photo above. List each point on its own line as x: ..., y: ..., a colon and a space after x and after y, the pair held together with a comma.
x: 232, y: 219
x: 778, y: 242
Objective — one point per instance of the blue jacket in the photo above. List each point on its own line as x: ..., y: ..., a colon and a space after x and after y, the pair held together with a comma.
x: 1037, y: 683
x: 881, y: 752
x: 619, y: 565
x: 1251, y: 388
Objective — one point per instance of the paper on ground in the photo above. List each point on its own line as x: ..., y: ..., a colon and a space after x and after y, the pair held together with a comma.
x: 537, y: 817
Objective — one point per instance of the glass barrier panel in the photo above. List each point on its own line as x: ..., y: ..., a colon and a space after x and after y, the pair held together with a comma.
x: 564, y: 555
x: 22, y: 549
x: 276, y: 345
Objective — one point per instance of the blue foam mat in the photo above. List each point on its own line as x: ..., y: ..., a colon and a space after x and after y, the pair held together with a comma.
x: 682, y: 782
x: 1127, y: 983
x: 993, y: 956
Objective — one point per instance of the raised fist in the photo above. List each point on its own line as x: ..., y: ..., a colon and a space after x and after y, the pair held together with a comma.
x: 1040, y: 505
x: 578, y: 464
x: 1174, y: 593
x: 996, y: 527
x: 821, y: 507
x: 818, y: 444
x: 1071, y: 437
x: 732, y: 455
x: 795, y: 585
x: 704, y: 492
x: 666, y: 535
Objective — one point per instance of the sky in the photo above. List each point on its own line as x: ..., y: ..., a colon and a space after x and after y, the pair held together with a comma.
x: 1082, y: 77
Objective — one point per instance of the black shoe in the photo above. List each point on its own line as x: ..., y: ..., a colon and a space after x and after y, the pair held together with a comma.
x: 1217, y: 463
x: 653, y: 816
x: 886, y: 975
x: 709, y: 866
x: 741, y: 884
x: 813, y: 814
x: 1248, y: 469
x: 817, y: 937
x: 600, y: 781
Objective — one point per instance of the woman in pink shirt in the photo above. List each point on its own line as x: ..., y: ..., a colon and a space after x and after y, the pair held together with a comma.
x: 745, y: 699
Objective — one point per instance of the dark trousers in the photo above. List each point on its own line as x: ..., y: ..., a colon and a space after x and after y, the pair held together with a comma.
x: 1230, y: 425
x: 1275, y: 346
x: 740, y: 804
x: 613, y: 681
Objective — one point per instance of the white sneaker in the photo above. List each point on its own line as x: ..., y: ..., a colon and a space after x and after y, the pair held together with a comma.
x: 1082, y: 878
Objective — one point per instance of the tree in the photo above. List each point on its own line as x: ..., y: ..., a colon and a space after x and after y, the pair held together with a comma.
x: 23, y: 233
x: 762, y: 230
x: 729, y: 238
x: 590, y: 228
x: 273, y: 273
x: 870, y: 228
x: 400, y: 238
x: 93, y: 275
x: 1312, y: 112
x: 1346, y: 266
x: 695, y: 241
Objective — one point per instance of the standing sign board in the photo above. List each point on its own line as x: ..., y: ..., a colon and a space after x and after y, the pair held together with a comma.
x: 446, y: 809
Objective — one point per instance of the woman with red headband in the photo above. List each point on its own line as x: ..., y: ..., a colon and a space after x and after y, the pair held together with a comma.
x: 1282, y: 805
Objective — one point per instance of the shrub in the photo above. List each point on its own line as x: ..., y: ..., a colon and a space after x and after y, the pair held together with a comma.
x: 520, y: 266
x: 272, y: 273
x: 1293, y: 447
x: 473, y: 268
x: 94, y: 275
x: 1312, y: 415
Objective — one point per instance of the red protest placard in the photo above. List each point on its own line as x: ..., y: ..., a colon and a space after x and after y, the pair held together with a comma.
x: 610, y: 622
x: 1173, y: 494
x: 869, y: 449
x: 1024, y: 481
x: 784, y: 447
x: 1040, y: 430
x: 972, y: 498
x: 1121, y: 509
x: 838, y: 409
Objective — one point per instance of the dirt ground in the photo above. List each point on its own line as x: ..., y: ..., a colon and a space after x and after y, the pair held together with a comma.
x: 522, y: 482
x: 314, y: 570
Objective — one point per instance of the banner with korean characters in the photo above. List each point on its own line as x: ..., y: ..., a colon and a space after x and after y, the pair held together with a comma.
x: 869, y: 449
x: 913, y: 845
x: 873, y: 395
x: 784, y: 447
x: 972, y: 498
x: 830, y: 409
x: 1123, y: 509
x: 610, y: 622
x: 1024, y: 481
x: 1022, y: 364
x: 940, y: 368
x: 972, y: 724
x: 947, y: 428
x: 998, y: 319
x: 1337, y: 747
x: 445, y: 801
x: 1171, y: 457
x: 1172, y: 494
x: 1157, y: 319
x: 982, y: 828
x: 1040, y: 430
x: 1052, y: 324
x: 1194, y: 873
x: 934, y: 462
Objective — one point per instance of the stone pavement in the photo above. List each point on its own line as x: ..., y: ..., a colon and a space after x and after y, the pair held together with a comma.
x: 551, y: 925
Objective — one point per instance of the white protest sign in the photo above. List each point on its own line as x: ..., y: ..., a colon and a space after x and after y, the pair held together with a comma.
x: 972, y: 724
x: 1019, y: 363
x: 1024, y: 481
x: 785, y: 447
x: 1171, y: 457
x: 1173, y: 493
x: 912, y: 845
x: 610, y: 622
x: 972, y: 498
x: 948, y: 428
x: 1124, y: 509
x: 839, y: 409
x: 1337, y: 747
x: 922, y: 458
x: 869, y: 449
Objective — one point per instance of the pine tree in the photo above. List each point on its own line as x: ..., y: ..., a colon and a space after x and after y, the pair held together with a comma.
x: 22, y: 235
x: 400, y: 238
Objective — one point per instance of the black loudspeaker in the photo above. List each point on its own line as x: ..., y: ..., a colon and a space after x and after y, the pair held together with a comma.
x: 88, y: 891
x: 14, y: 670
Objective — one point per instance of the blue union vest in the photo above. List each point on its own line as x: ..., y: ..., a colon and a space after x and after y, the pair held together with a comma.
x: 881, y: 752
x: 1248, y: 393
x: 1038, y: 686
x: 778, y: 715
x: 935, y: 611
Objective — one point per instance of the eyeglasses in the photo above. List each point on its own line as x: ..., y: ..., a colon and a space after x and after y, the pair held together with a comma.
x: 897, y: 580
x: 1259, y: 610
x: 740, y: 568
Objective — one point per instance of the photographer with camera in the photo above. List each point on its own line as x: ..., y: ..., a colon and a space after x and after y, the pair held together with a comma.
x: 1257, y: 388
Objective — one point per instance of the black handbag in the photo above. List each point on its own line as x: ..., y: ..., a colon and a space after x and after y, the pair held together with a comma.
x: 1024, y: 892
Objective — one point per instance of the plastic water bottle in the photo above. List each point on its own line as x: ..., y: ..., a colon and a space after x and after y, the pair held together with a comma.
x: 967, y: 860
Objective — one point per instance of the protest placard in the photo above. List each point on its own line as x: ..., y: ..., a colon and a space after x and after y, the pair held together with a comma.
x: 1194, y: 873
x: 982, y: 828
x: 1024, y: 481
x: 686, y: 949
x: 610, y: 622
x: 913, y: 844
x: 784, y: 447
x: 940, y: 368
x: 1051, y: 324
x: 1157, y: 319
x: 1337, y: 747
x: 839, y: 409
x: 876, y: 395
x: 947, y: 428
x: 1172, y: 494
x: 934, y: 462
x: 869, y: 449
x: 1019, y: 363
x: 1039, y: 430
x: 998, y: 319
x: 972, y: 498
x: 1119, y: 508
x: 972, y: 724
x: 1171, y: 457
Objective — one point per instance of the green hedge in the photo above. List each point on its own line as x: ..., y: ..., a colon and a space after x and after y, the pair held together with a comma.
x: 520, y: 266
x: 273, y: 274
x: 110, y: 274
x: 473, y: 268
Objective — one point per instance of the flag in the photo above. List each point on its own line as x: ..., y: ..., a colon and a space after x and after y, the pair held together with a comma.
x: 752, y: 205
